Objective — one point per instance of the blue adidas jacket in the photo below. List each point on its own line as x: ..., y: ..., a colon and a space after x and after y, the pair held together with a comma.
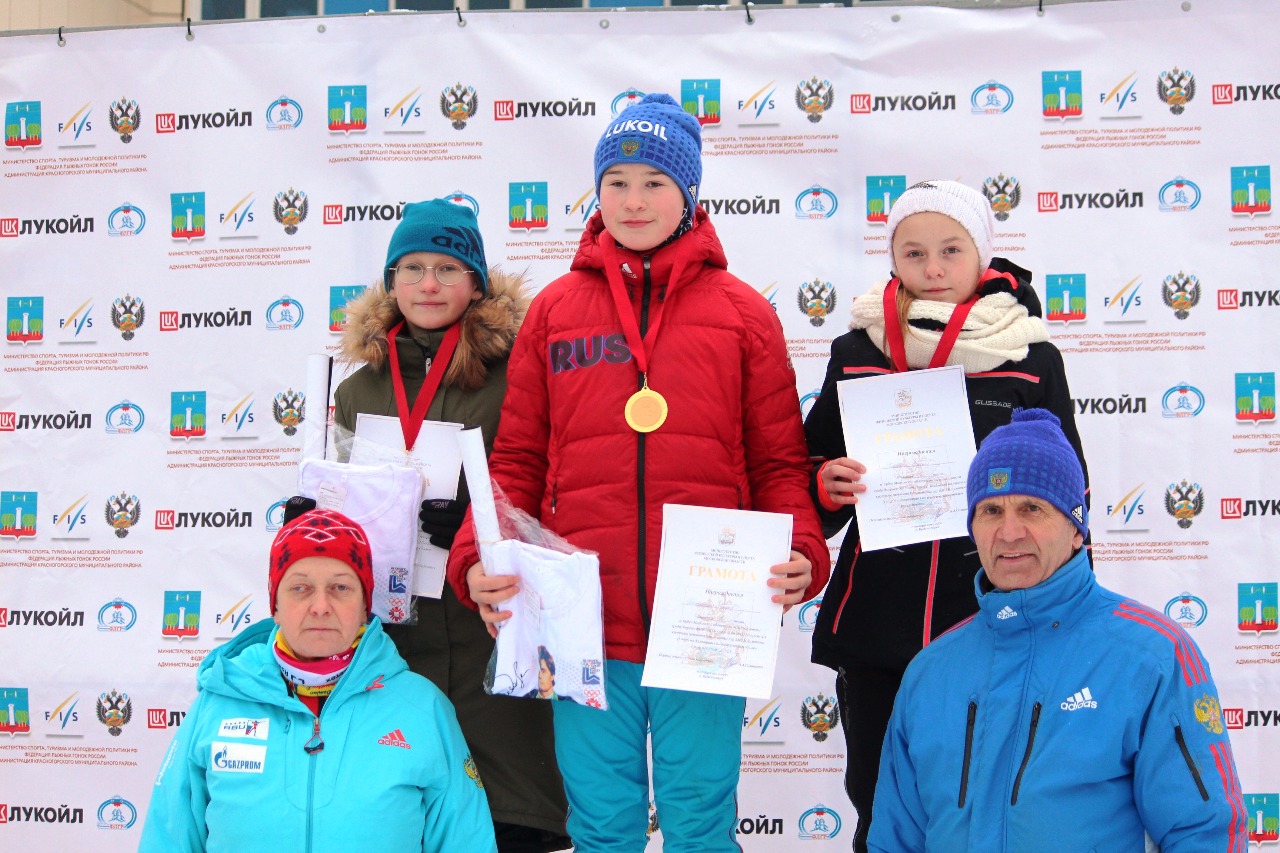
x: 1060, y: 717
x: 394, y: 773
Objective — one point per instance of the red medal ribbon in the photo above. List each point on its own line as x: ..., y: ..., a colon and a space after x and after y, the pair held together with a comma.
x: 630, y: 327
x: 893, y: 331
x: 411, y: 421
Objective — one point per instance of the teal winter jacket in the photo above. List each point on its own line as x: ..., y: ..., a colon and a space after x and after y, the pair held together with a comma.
x: 243, y: 772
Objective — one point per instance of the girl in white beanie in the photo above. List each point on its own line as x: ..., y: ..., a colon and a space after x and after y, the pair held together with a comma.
x: 948, y: 302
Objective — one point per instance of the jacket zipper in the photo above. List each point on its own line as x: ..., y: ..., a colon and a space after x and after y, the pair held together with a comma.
x: 641, y: 586
x: 555, y: 487
x: 968, y: 751
x: 1191, y: 765
x: 1031, y: 739
x: 311, y: 778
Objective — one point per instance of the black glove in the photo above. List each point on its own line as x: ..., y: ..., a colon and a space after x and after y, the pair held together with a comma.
x: 441, y: 520
x: 296, y: 506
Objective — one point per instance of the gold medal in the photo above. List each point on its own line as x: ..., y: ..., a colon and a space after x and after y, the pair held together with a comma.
x: 646, y: 410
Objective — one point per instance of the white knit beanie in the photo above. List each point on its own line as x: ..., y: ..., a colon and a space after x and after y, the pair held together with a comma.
x: 965, y: 205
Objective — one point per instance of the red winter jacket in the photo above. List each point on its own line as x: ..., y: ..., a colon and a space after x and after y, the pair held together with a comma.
x: 733, y: 436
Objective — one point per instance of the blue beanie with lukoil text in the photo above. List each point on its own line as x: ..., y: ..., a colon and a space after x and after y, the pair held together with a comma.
x: 659, y: 133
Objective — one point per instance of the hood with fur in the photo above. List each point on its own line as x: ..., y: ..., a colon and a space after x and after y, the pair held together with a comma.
x: 488, y: 329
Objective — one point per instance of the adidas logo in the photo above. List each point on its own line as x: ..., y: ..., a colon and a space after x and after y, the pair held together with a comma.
x: 1081, y: 699
x: 1006, y: 612
x: 394, y: 739
x: 626, y: 270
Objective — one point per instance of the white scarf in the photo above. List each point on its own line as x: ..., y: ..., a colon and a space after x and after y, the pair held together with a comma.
x: 998, y: 329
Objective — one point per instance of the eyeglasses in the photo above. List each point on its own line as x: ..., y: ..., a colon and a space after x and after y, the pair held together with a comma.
x: 446, y: 274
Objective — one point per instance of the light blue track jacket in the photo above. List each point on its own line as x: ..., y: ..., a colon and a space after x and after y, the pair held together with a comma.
x: 394, y: 774
x: 1060, y: 717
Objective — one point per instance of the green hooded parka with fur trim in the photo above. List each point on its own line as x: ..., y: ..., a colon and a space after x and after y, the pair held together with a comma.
x: 511, y: 740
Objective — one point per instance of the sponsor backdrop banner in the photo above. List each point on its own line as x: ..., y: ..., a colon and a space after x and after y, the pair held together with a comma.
x: 182, y: 221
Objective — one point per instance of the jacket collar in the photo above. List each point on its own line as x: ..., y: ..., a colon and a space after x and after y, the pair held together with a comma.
x: 697, y: 247
x: 1056, y: 602
x: 245, y: 667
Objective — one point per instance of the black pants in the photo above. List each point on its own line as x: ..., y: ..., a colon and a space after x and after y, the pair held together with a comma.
x: 866, y: 696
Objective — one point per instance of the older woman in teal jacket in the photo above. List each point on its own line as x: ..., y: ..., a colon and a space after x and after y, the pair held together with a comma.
x: 311, y: 733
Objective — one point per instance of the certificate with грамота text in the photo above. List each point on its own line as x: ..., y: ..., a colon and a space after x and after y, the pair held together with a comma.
x: 914, y: 434
x: 714, y: 626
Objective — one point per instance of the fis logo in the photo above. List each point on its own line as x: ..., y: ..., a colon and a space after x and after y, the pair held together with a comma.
x: 72, y: 522
x: 238, y: 222
x: 75, y: 131
x: 1129, y: 511
x: 239, y: 421
x: 581, y: 211
x: 236, y: 617
x: 765, y: 725
x: 758, y: 108
x: 1121, y: 101
x: 405, y: 116
x: 1122, y: 303
x: 78, y: 327
x: 63, y: 717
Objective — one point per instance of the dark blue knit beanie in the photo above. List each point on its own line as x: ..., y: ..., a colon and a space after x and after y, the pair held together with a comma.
x: 659, y: 133
x: 1030, y: 456
x: 439, y: 226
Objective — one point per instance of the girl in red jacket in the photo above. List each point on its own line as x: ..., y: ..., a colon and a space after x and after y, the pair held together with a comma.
x: 949, y: 302
x: 648, y: 375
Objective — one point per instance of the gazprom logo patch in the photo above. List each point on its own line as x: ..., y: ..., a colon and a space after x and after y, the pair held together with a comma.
x: 237, y: 757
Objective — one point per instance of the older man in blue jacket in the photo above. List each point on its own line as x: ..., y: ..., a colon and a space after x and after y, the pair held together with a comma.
x: 1062, y: 716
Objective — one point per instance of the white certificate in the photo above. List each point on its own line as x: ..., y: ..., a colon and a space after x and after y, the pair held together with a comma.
x: 379, y: 440
x: 913, y: 432
x: 714, y: 627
